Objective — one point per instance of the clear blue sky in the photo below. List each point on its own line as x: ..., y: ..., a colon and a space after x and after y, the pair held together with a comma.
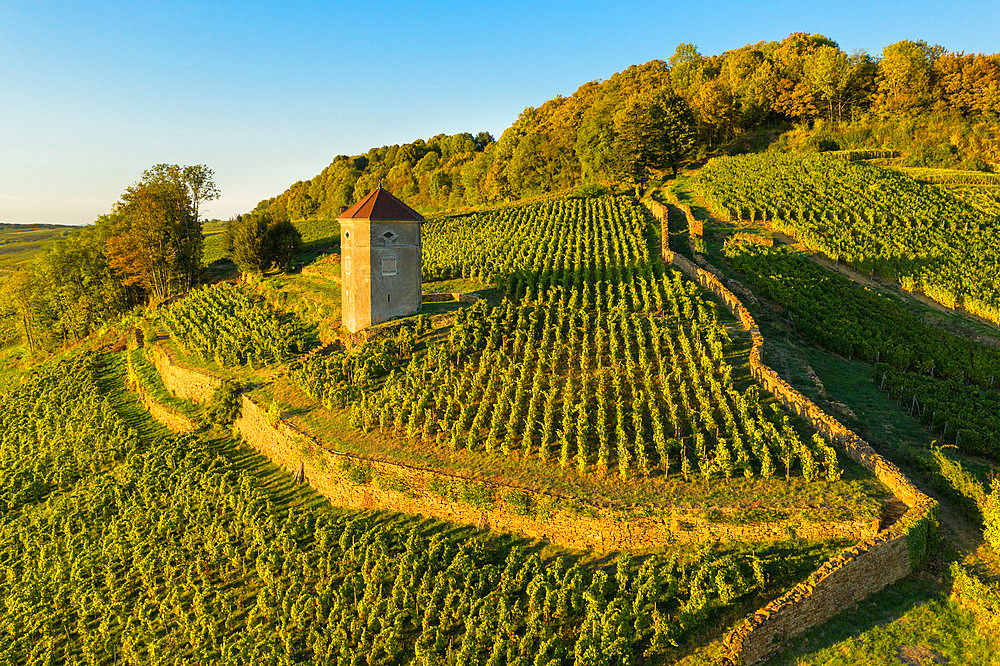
x: 267, y: 93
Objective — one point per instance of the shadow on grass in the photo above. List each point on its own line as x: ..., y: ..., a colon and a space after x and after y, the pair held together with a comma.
x: 856, y: 624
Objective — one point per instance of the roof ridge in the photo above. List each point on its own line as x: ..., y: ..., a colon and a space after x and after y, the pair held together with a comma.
x: 381, y: 204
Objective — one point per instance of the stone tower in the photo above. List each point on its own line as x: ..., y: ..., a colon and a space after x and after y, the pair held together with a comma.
x: 380, y: 260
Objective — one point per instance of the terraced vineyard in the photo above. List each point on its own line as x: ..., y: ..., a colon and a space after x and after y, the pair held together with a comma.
x: 231, y: 326
x: 948, y: 382
x: 857, y: 322
x: 598, y: 358
x: 159, y: 549
x: 877, y: 219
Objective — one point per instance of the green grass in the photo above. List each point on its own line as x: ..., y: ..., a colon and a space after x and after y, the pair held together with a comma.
x: 911, y: 622
x: 214, y: 233
x: 318, y: 237
x: 454, y: 286
x: 313, y: 299
x: 152, y: 383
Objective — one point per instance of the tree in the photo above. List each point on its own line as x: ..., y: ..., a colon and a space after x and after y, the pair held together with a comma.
x: 283, y: 242
x: 653, y: 131
x: 18, y: 292
x: 256, y: 241
x: 715, y: 109
x: 201, y: 187
x: 246, y: 242
x: 686, y: 67
x: 155, y: 242
x: 77, y: 289
x: 676, y: 135
x: 829, y: 73
x: 905, y: 75
x: 197, y: 182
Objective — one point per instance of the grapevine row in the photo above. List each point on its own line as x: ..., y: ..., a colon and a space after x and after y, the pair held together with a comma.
x: 181, y: 555
x: 231, y: 326
x: 57, y: 426
x: 857, y: 322
x: 877, y: 219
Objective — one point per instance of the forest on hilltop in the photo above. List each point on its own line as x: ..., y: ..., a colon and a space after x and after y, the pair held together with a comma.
x: 939, y: 108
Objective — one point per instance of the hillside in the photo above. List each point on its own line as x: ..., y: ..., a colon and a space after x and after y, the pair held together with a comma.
x: 705, y: 373
x: 589, y: 320
x: 802, y: 94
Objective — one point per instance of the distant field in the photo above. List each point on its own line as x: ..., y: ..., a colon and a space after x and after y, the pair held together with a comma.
x: 19, y: 243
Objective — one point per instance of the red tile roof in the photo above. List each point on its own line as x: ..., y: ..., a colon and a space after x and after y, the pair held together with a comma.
x: 380, y: 205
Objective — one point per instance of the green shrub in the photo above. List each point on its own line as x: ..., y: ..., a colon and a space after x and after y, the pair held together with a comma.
x: 358, y: 473
x: 226, y: 404
x: 478, y: 495
x: 521, y: 503
x: 442, y: 488
x: 591, y: 191
x: 273, y: 413
x: 981, y: 597
x: 964, y: 483
x: 991, y: 516
x: 389, y: 481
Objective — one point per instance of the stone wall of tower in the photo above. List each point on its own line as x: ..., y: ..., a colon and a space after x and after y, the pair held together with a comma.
x: 380, y: 272
x: 355, y: 274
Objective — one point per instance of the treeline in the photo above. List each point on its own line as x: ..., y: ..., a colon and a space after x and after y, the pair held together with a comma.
x: 428, y: 174
x: 656, y: 115
x: 148, y: 248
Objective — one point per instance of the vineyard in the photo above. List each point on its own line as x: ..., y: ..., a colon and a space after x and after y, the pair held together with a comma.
x: 56, y: 427
x: 179, y: 553
x: 986, y: 199
x: 230, y: 326
x: 876, y: 218
x: 857, y: 322
x: 598, y: 359
x: 946, y: 381
x: 951, y: 176
x: 963, y: 415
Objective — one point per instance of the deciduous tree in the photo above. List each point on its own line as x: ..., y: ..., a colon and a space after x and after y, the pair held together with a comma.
x: 153, y: 242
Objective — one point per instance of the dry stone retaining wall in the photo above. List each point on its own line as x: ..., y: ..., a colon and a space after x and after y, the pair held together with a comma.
x: 854, y: 573
x: 173, y: 420
x: 563, y: 520
x: 696, y: 227
x: 399, y: 487
x: 181, y: 381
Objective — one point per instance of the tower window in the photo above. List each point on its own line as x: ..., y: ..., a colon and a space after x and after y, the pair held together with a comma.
x: 388, y: 265
x: 388, y: 298
x: 389, y: 237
